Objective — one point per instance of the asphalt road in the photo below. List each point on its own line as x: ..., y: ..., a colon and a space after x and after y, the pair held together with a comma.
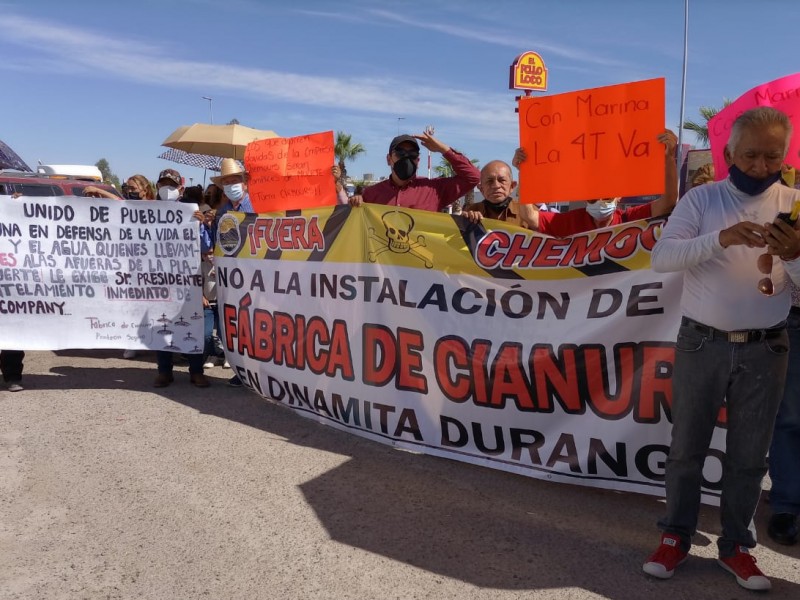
x: 112, y: 489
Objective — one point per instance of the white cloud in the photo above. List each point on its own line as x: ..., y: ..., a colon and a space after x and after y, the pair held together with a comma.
x: 500, y: 38
x: 489, y: 115
x: 484, y: 35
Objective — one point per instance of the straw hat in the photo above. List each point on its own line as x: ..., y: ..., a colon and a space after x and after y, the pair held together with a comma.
x: 228, y: 166
x: 704, y: 174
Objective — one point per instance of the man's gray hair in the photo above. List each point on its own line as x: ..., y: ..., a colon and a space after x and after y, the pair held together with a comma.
x: 758, y: 118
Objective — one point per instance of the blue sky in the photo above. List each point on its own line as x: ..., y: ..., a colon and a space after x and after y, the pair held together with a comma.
x: 84, y: 80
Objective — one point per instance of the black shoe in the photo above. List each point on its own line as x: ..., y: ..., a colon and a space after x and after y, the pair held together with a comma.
x: 783, y: 528
x: 235, y: 381
x: 163, y: 380
x: 199, y: 380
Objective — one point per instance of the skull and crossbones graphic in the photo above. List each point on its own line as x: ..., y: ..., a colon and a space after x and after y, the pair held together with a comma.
x: 398, y: 226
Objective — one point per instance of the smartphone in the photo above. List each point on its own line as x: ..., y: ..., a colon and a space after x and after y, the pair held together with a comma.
x: 787, y: 218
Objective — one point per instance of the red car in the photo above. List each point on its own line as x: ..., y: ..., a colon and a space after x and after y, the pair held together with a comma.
x: 36, y: 184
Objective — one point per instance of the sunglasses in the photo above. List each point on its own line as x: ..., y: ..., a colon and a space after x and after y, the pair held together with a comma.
x: 400, y: 153
x: 765, y: 285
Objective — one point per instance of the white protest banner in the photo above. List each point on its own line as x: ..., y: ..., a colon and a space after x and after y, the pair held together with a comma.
x: 93, y: 273
x: 489, y: 344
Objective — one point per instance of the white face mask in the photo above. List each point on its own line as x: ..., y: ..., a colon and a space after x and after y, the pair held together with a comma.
x: 234, y: 191
x: 168, y: 192
x: 601, y: 209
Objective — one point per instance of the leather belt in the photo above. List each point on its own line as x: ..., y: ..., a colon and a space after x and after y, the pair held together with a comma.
x: 743, y: 336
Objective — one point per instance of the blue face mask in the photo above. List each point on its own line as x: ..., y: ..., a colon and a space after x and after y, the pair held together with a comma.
x: 234, y: 191
x: 750, y: 185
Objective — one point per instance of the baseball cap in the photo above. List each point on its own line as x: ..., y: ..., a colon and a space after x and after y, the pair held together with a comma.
x: 403, y: 138
x: 171, y: 175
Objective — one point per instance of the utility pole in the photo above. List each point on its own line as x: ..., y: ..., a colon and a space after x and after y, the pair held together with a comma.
x: 210, y: 107
x: 211, y: 112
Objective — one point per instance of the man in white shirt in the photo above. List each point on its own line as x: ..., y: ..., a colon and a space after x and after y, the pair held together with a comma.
x: 732, y: 347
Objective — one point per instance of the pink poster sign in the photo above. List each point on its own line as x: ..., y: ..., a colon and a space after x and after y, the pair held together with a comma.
x: 783, y: 94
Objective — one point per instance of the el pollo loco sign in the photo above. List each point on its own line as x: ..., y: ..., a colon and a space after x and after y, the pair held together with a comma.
x: 528, y: 72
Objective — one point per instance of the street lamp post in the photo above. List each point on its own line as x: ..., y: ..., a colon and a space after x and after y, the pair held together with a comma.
x: 429, y: 129
x: 211, y: 112
x: 679, y: 149
x: 210, y: 107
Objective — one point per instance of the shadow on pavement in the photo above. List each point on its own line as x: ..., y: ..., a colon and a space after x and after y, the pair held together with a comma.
x: 488, y: 528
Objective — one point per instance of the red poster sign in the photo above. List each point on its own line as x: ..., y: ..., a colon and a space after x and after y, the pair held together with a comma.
x: 291, y: 173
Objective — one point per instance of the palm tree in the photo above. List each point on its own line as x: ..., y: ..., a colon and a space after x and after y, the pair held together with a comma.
x: 701, y: 129
x: 445, y: 169
x: 344, y: 149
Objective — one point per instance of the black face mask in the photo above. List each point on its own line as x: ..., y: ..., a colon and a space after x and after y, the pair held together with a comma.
x: 750, y: 185
x: 133, y: 196
x: 405, y: 169
x: 498, y: 207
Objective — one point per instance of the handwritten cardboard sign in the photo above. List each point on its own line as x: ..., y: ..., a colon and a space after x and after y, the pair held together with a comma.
x: 783, y: 94
x: 89, y: 273
x: 291, y: 173
x: 595, y: 143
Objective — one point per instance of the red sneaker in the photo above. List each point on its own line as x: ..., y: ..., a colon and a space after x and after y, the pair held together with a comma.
x: 743, y: 566
x: 666, y: 558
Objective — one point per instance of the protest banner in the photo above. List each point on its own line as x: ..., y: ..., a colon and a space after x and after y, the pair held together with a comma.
x: 594, y: 143
x: 782, y: 93
x: 291, y: 173
x: 90, y: 273
x: 487, y: 343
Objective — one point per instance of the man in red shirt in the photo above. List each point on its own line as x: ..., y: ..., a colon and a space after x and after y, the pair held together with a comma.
x: 404, y: 188
x: 605, y: 212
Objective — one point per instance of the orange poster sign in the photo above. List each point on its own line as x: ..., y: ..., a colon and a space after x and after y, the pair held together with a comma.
x: 291, y: 173
x: 595, y: 143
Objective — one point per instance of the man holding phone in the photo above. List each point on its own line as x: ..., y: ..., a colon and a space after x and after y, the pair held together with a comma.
x: 732, y: 347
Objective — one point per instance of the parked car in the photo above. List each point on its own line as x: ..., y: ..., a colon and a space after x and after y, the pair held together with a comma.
x: 38, y: 184
x: 87, y: 172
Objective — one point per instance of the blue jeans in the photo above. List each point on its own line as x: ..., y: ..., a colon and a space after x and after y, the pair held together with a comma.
x: 212, y: 346
x: 164, y: 362
x: 784, y: 454
x: 748, y: 378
